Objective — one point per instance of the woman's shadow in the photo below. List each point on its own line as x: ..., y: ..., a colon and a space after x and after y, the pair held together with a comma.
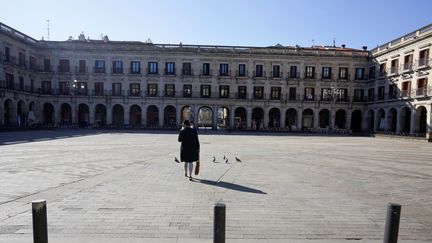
x: 229, y: 185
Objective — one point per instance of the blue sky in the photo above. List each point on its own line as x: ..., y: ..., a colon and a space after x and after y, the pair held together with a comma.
x: 222, y: 22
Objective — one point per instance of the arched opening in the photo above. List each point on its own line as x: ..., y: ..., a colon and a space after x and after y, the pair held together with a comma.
x: 356, y: 121
x: 8, y: 113
x: 381, y: 119
x: 222, y: 118
x: 205, y: 117
x: 170, y: 118
x: 240, y: 116
x: 405, y: 120
x: 421, y: 115
x: 340, y: 119
x: 83, y: 115
x: 307, y: 118
x: 65, y: 114
x: 48, y: 114
x: 291, y: 119
x: 135, y: 116
x: 187, y: 113
x: 100, y: 115
x: 152, y: 117
x: 257, y: 118
x: 392, y: 120
x: 118, y: 115
x: 21, y: 113
x: 31, y: 117
x: 274, y: 118
x: 324, y: 118
x: 370, y: 121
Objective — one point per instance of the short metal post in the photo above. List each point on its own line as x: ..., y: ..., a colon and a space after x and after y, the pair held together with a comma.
x: 40, y: 226
x: 219, y: 223
x: 392, y: 223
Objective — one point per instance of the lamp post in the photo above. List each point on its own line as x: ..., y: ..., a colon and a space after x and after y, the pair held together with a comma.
x: 333, y: 93
x: 76, y: 86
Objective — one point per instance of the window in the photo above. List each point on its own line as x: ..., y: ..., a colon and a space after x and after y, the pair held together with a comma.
x: 406, y: 89
x: 135, y: 67
x: 63, y: 88
x: 134, y: 89
x: 32, y: 63
x: 47, y: 65
x: 343, y: 73
x: 10, y: 83
x: 343, y: 95
x: 358, y: 95
x: 46, y: 87
x: 206, y: 69
x: 382, y: 70
x: 64, y: 66
x: 310, y: 72
x: 242, y: 70
x: 258, y: 92
x: 31, y: 85
x: 21, y: 83
x: 424, y: 58
x: 223, y: 71
x: 381, y: 90
x: 292, y: 93
x: 275, y: 93
x: 326, y: 72
x: 187, y: 90
x: 99, y: 66
x: 372, y: 71
x: 394, y: 66
x: 152, y: 90
x: 21, y: 59
x: 116, y: 89
x: 421, y: 86
x: 408, y: 59
x: 117, y: 67
x: 170, y: 68
x: 293, y: 72
x: 359, y: 74
x: 7, y: 54
x: 325, y: 94
x: 392, y: 91
x: 276, y: 71
x: 258, y: 70
x: 152, y: 68
x: 99, y: 89
x: 205, y: 91
x: 242, y: 92
x: 81, y: 88
x: 224, y: 91
x: 82, y: 66
x: 169, y: 90
x: 371, y: 94
x: 187, y: 68
x: 309, y: 93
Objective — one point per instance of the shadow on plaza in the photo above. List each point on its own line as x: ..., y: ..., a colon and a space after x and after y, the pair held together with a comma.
x: 230, y: 186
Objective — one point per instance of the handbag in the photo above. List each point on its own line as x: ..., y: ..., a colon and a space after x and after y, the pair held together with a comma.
x: 197, y: 167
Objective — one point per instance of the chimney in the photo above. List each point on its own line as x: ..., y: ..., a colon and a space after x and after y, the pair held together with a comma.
x: 343, y: 45
x: 364, y: 48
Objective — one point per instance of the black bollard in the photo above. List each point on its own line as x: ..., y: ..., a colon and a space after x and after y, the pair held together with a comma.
x: 392, y: 223
x: 219, y: 223
x: 40, y: 226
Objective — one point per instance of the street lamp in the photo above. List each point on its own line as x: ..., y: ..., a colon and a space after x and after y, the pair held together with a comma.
x: 333, y: 93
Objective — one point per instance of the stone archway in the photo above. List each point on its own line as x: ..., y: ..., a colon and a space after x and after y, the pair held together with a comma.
x: 205, y: 117
x: 21, y: 113
x: 83, y: 115
x: 170, y: 117
x: 118, y: 115
x: 240, y: 118
x: 421, y: 123
x: 257, y: 118
x: 381, y: 120
x: 222, y: 118
x: 135, y: 116
x: 291, y: 119
x: 356, y: 121
x: 392, y: 120
x: 405, y: 120
x: 48, y: 113
x: 274, y: 118
x: 340, y: 119
x: 9, y: 113
x: 65, y: 114
x: 100, y: 115
x: 324, y: 118
x: 187, y: 113
x: 307, y: 118
x: 371, y: 120
x: 152, y: 117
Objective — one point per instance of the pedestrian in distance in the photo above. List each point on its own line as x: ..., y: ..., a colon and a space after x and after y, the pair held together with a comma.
x: 190, y: 147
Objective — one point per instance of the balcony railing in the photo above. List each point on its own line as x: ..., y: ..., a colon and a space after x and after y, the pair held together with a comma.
x: 187, y: 72
x: 276, y: 75
x: 421, y: 91
x: 394, y: 70
x: 309, y: 75
x: 170, y: 72
x: 293, y: 75
x: 115, y: 70
x: 405, y: 93
x: 81, y: 70
x: 259, y: 74
x: 423, y: 62
x: 407, y: 66
x: 226, y: 74
x: 327, y: 77
x: 206, y: 74
x: 99, y: 70
x: 63, y: 69
x: 242, y: 75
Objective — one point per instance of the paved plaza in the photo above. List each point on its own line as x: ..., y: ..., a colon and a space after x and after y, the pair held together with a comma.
x: 126, y: 187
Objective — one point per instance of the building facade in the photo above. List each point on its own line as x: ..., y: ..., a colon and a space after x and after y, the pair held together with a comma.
x: 97, y: 83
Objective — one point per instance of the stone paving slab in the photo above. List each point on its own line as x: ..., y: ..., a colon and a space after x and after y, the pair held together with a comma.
x: 125, y: 186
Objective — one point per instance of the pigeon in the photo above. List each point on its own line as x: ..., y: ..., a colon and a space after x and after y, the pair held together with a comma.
x: 214, y: 159
x: 224, y: 157
x: 226, y: 160
x: 237, y: 159
x: 176, y: 160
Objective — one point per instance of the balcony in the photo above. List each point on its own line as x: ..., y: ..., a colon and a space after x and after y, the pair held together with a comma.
x: 394, y: 70
x: 309, y: 97
x: 407, y: 67
x: 170, y: 72
x: 259, y: 75
x: 293, y: 75
x: 328, y: 77
x: 244, y: 74
x: 81, y: 70
x: 420, y: 92
x: 99, y: 70
x: 45, y: 69
x: 99, y: 92
x: 187, y: 72
x: 382, y: 74
x: 63, y: 70
x: 224, y: 74
x: 405, y: 93
x: 206, y: 73
x: 309, y: 75
x: 276, y: 75
x: 116, y: 71
x: 423, y: 63
x: 152, y: 72
x: 134, y: 93
x: 10, y: 60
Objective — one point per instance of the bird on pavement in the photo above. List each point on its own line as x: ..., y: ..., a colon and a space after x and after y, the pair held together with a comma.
x: 226, y: 160
x: 176, y: 160
x: 214, y: 159
x: 224, y: 157
x: 237, y: 159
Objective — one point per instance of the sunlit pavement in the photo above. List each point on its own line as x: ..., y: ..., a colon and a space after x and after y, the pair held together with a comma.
x: 126, y: 187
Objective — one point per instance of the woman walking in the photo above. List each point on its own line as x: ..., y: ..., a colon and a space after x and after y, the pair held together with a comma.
x: 189, y: 149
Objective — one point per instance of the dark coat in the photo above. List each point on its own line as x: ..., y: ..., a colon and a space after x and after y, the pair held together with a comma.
x: 189, y: 149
